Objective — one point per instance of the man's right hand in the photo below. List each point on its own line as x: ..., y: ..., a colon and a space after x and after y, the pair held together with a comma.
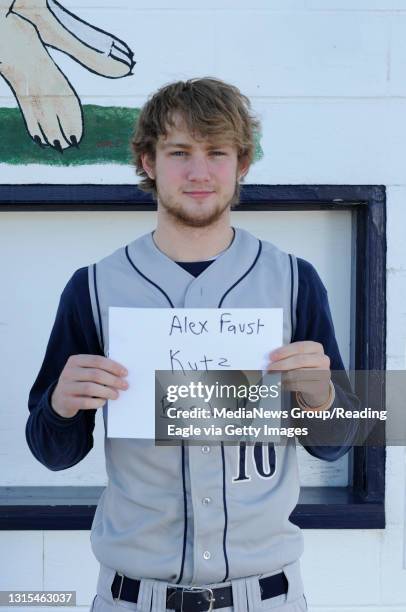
x: 86, y: 382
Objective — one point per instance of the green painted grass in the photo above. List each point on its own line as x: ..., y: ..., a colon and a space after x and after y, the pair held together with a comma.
x: 107, y: 132
x: 105, y: 139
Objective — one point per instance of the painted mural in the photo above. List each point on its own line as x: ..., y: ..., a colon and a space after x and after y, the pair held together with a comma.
x: 50, y: 118
x: 49, y: 124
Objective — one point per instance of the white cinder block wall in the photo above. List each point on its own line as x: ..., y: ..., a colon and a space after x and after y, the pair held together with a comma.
x: 328, y: 78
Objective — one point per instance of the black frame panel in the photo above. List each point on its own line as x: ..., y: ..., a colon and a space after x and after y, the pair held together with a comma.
x: 360, y: 506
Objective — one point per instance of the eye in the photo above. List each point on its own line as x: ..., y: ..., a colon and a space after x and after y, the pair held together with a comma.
x: 178, y: 153
x: 218, y: 152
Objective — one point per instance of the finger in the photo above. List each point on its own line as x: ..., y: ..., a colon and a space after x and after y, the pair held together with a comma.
x: 86, y: 403
x: 96, y: 375
x: 306, y: 375
x: 312, y: 388
x: 89, y: 389
x: 309, y: 360
x: 305, y: 378
x: 100, y: 362
x: 301, y: 347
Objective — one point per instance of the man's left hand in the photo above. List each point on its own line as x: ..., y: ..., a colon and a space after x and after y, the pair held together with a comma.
x: 305, y: 369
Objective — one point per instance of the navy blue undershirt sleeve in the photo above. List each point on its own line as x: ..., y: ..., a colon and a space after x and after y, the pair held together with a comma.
x: 314, y: 322
x: 313, y: 317
x: 58, y: 442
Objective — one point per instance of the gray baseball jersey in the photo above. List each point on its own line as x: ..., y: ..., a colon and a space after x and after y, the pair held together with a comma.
x: 198, y: 514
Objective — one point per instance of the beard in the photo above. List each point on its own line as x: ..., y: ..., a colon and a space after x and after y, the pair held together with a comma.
x: 192, y: 218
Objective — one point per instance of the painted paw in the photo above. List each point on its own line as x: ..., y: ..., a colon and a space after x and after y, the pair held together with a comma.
x: 50, y: 106
x: 97, y: 50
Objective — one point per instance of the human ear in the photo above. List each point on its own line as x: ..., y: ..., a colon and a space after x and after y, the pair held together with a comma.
x: 243, y: 168
x: 148, y: 165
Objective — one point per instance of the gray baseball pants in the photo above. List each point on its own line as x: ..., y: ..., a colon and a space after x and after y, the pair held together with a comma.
x: 246, y: 595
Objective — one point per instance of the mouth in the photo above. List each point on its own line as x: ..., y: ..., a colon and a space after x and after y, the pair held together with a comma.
x: 198, y: 194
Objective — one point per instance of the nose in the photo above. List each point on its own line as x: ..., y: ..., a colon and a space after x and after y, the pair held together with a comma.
x: 198, y: 168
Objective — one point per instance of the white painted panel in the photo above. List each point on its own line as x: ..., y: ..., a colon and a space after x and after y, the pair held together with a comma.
x: 395, y: 506
x: 64, y: 553
x: 332, y: 141
x: 396, y: 312
x: 48, y: 609
x: 358, y: 5
x: 370, y: 608
x: 192, y: 5
x: 342, y: 567
x: 393, y: 572
x: 283, y: 53
x: 396, y: 206
x: 397, y: 86
x: 396, y: 280
x: 99, y: 174
x: 21, y: 560
x: 32, y: 286
x: 318, y: 473
x: 303, y: 53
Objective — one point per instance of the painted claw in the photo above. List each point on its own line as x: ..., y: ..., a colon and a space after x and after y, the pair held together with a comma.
x: 95, y: 49
x: 58, y: 146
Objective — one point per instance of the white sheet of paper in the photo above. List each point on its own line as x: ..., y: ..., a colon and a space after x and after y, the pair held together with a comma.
x: 147, y: 339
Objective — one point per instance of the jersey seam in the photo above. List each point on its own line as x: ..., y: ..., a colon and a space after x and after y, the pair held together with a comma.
x: 147, y: 279
x: 243, y: 276
x: 225, y: 513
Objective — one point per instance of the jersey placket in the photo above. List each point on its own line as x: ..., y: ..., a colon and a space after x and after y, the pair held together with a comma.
x: 205, y: 483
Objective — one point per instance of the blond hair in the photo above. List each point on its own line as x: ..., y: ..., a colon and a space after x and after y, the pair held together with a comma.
x: 209, y: 107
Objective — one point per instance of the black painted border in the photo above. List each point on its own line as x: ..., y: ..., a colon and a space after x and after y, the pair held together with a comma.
x: 360, y: 506
x: 67, y: 508
x: 129, y: 197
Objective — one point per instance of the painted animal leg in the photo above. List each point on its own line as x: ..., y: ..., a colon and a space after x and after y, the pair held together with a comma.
x: 50, y: 106
x: 97, y: 50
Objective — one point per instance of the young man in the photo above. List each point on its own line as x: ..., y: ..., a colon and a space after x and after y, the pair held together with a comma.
x: 175, y: 518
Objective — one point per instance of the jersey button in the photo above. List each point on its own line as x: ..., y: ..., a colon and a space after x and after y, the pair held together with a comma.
x: 206, y: 501
x: 206, y: 555
x: 205, y: 449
